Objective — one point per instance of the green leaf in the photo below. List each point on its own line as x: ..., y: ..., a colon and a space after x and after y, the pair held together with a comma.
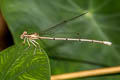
x: 101, y: 23
x: 17, y: 63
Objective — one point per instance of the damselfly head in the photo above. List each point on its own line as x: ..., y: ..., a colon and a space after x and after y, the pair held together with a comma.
x: 23, y: 34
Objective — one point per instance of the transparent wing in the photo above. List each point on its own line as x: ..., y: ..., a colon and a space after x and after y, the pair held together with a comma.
x: 53, y: 29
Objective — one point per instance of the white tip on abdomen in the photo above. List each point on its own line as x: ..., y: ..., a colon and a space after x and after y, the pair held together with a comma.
x: 107, y: 43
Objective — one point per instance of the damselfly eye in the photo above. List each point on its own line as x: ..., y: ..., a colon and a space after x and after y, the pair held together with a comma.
x: 25, y: 32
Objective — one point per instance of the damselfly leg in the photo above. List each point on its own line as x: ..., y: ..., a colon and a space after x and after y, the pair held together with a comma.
x: 34, y: 43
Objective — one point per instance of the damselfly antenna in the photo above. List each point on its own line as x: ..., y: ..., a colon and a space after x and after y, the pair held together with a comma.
x: 31, y: 39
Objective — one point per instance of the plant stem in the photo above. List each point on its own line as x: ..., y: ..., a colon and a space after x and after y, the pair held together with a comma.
x: 87, y: 73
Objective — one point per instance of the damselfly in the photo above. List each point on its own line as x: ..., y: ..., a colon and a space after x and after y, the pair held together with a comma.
x: 31, y: 38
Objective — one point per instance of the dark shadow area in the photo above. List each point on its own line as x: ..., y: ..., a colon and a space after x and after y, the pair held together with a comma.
x: 6, y: 39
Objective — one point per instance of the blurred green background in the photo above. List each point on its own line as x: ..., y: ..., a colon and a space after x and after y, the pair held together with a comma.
x: 101, y: 23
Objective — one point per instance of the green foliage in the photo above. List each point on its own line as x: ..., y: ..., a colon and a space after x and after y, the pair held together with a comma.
x: 101, y: 22
x: 17, y: 63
